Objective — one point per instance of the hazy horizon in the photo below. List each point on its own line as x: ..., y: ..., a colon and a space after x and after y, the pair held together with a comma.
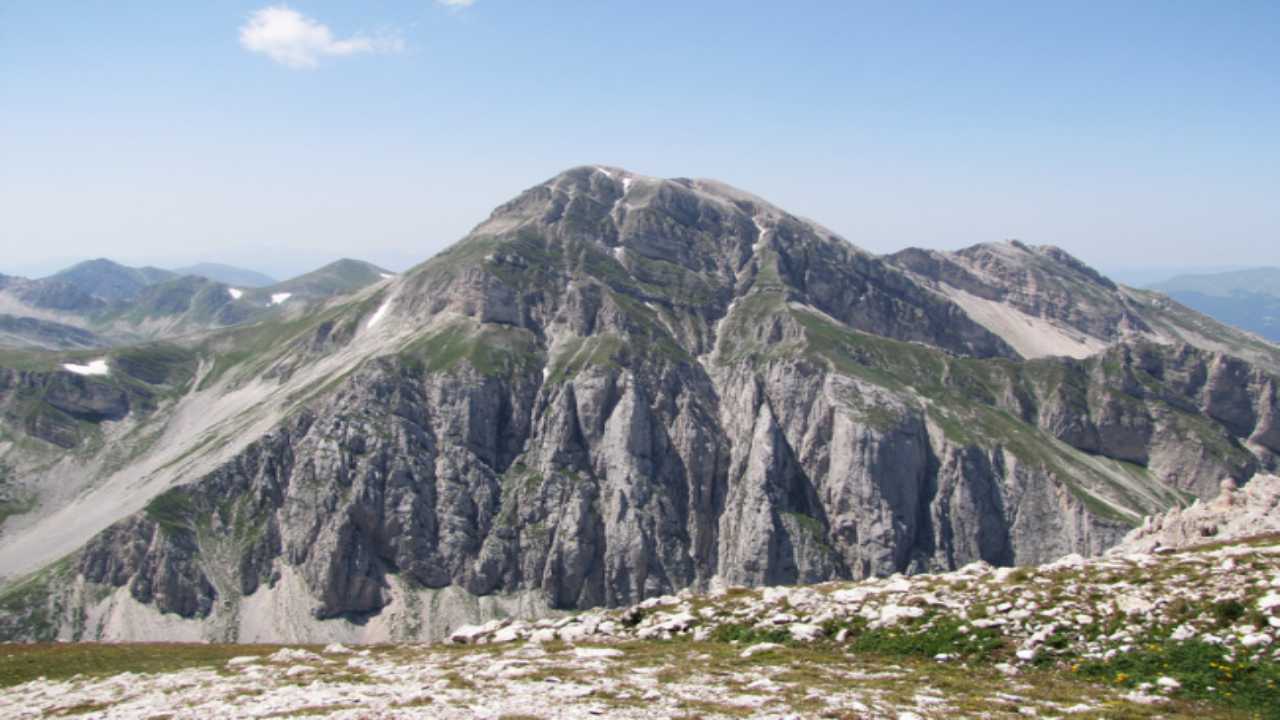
x: 1135, y: 276
x: 280, y: 137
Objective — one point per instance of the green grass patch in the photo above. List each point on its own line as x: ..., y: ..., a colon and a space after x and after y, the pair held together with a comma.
x: 1249, y: 686
x: 749, y: 635
x: 58, y: 661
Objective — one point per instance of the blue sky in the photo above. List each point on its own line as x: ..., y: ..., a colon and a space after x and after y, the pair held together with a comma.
x: 1134, y: 134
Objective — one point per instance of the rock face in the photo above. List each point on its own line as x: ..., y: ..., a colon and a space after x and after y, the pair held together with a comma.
x: 1109, y: 636
x: 619, y: 387
x: 1235, y: 514
x: 1042, y: 282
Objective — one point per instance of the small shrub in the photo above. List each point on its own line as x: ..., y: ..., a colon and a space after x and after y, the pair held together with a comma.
x: 748, y: 635
x: 1227, y: 612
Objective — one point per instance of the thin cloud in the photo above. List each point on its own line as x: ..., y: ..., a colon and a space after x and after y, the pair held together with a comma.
x: 456, y: 3
x: 297, y: 41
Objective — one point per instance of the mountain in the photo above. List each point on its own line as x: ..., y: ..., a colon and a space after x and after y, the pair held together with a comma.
x: 1045, y: 302
x: 1247, y: 299
x: 337, y: 278
x: 104, y: 304
x: 227, y: 275
x: 1263, y: 281
x: 614, y: 388
x: 109, y: 281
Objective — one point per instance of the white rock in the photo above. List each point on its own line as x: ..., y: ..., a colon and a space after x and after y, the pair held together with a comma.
x: 1141, y: 698
x: 597, y: 653
x: 806, y: 632
x: 1134, y: 605
x: 1083, y: 619
x: 242, y: 660
x: 677, y: 623
x: 293, y: 655
x: 851, y: 596
x: 1269, y: 602
x: 510, y: 633
x: 898, y: 584
x: 1027, y: 654
x: 772, y: 595
x: 1074, y: 560
x: 892, y: 614
x: 1255, y: 640
x: 1182, y: 632
x: 1168, y: 683
x: 543, y: 635
x: 574, y: 633
x: 468, y: 634
x: 759, y: 648
x: 336, y: 649
x: 764, y: 685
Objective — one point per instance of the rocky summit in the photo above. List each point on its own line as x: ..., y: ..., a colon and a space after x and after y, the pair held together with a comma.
x: 616, y: 389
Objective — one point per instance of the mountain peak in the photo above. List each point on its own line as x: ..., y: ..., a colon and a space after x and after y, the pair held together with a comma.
x: 1013, y: 255
x: 697, y: 248
x: 110, y: 281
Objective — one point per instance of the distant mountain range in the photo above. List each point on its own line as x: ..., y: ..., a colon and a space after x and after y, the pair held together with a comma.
x: 99, y: 303
x: 228, y: 274
x: 1247, y: 299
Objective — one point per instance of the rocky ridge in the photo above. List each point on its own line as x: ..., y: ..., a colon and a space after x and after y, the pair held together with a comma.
x: 1045, y: 302
x: 1234, y: 514
x: 1191, y: 633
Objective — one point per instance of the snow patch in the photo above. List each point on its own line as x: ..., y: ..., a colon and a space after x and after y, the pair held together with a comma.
x: 387, y: 276
x: 95, y: 367
x: 379, y: 313
x: 235, y: 293
x: 760, y: 229
x: 279, y: 298
x: 606, y: 173
x: 620, y: 253
x: 626, y: 185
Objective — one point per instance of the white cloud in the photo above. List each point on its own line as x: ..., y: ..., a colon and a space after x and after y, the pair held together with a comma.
x: 293, y: 39
x: 456, y: 3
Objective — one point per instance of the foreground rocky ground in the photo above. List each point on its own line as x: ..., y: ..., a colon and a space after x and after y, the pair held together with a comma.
x: 1183, y: 633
